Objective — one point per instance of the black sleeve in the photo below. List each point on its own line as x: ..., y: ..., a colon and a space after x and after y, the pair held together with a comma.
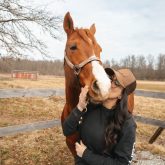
x: 71, y: 123
x: 123, y: 150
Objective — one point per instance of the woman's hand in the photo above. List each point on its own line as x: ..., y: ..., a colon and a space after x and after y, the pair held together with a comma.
x: 83, y: 98
x: 80, y: 148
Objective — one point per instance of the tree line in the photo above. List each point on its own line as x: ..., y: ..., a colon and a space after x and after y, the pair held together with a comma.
x: 43, y: 67
x: 144, y: 68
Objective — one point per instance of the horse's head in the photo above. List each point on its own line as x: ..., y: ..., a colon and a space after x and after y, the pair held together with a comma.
x: 82, y: 55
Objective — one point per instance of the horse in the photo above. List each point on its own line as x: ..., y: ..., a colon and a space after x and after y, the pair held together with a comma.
x: 82, y: 66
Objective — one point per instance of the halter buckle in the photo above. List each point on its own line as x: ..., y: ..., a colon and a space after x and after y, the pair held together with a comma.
x: 76, y: 69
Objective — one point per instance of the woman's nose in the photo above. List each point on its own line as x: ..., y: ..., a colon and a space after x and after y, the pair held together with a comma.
x: 113, y: 84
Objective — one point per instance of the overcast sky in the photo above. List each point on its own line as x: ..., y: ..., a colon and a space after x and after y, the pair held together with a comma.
x: 123, y: 27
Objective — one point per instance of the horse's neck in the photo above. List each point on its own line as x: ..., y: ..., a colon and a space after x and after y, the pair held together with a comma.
x: 72, y: 88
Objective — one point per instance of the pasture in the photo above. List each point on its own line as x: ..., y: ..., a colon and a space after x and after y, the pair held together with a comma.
x: 59, y: 81
x: 48, y: 146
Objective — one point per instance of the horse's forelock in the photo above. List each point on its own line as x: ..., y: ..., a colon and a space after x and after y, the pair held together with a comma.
x: 85, y: 35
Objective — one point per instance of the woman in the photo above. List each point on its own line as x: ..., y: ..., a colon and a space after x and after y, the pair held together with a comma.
x: 107, y: 130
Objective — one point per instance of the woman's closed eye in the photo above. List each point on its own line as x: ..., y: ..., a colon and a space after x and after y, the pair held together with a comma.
x: 114, y: 80
x: 117, y: 83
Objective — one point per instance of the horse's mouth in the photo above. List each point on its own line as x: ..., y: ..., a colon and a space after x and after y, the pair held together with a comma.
x: 95, y: 100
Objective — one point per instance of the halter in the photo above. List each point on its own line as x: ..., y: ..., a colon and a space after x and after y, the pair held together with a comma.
x: 77, y: 68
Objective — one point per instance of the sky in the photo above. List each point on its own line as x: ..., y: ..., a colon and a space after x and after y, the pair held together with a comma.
x: 123, y: 27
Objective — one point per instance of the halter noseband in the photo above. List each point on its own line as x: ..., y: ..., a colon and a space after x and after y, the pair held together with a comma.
x: 77, y: 68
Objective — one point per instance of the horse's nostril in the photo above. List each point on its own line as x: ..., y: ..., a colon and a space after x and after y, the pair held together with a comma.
x: 95, y: 86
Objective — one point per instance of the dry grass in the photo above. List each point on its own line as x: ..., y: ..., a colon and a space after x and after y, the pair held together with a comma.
x: 38, y: 147
x: 144, y: 132
x: 48, y: 146
x: 59, y: 82
x: 152, y: 108
x: 151, y: 85
x: 24, y: 110
x: 43, y: 82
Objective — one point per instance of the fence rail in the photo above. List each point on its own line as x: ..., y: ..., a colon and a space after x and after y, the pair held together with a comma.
x: 150, y: 121
x: 159, y: 123
x: 9, y: 93
x: 13, y: 130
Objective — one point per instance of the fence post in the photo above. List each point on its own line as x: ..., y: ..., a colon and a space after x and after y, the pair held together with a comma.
x: 156, y: 134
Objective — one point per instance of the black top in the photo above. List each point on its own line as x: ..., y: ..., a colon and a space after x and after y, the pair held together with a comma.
x: 91, y: 126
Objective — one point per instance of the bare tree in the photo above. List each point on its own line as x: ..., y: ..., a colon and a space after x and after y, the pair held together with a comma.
x: 114, y: 64
x: 161, y: 67
x: 106, y: 64
x: 150, y: 72
x: 17, y: 23
x: 128, y: 62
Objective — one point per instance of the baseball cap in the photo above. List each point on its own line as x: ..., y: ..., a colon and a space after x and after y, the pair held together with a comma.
x: 125, y: 78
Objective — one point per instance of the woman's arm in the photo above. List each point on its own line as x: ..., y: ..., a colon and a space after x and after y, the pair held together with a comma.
x: 123, y: 151
x: 71, y: 123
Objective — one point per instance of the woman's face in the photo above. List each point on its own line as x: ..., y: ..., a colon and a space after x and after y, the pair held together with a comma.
x: 116, y: 88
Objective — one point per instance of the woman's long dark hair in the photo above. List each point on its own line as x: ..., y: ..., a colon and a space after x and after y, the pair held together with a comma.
x: 115, y: 123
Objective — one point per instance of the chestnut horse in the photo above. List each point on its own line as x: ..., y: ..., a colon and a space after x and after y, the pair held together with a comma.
x: 82, y: 66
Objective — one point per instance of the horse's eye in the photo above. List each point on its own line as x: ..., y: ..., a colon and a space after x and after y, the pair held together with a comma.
x: 73, y: 47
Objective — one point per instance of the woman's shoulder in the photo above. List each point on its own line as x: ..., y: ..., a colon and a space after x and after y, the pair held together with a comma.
x: 129, y: 127
x: 130, y: 122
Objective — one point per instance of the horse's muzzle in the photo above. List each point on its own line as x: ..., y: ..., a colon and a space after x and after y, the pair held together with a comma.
x: 95, y: 94
x: 95, y: 87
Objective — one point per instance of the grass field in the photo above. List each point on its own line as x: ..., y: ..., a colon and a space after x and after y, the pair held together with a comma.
x: 47, y: 147
x: 151, y: 85
x: 42, y: 82
x: 59, y: 82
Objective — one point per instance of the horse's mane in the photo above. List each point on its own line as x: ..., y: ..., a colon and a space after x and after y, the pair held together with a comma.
x: 85, y: 34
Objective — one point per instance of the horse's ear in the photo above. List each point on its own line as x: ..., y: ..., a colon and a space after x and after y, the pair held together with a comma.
x: 68, y: 24
x: 93, y: 29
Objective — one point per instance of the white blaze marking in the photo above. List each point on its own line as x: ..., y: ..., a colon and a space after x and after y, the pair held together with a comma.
x: 103, y: 81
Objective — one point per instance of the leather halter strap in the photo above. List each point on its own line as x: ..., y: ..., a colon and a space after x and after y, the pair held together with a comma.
x: 77, y: 68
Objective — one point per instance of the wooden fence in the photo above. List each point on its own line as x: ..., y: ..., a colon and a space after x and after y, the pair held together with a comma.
x: 160, y: 124
x: 17, y: 92
x: 12, y: 130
